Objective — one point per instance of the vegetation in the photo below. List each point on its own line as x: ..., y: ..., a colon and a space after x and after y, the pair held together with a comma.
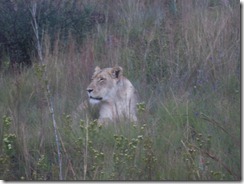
x: 183, y: 57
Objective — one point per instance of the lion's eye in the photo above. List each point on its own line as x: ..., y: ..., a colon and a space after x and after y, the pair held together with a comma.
x: 101, y: 79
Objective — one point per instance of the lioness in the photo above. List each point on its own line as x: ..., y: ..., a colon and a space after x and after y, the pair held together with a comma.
x: 114, y: 93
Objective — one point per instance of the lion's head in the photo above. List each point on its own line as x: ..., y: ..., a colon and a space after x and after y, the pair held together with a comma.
x: 104, y: 84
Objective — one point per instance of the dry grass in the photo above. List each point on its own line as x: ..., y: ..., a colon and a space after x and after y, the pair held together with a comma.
x: 183, y: 58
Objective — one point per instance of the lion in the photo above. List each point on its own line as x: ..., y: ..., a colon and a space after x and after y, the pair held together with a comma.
x: 113, y: 93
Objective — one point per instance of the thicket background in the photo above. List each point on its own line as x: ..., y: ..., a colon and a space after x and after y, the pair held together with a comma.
x: 182, y: 56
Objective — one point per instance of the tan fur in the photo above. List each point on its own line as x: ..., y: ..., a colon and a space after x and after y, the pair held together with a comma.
x: 114, y: 93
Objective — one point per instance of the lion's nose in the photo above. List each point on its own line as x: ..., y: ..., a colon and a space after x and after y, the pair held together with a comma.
x: 89, y: 90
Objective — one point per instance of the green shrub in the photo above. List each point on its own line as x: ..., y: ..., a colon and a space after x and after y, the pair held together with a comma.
x: 185, y: 64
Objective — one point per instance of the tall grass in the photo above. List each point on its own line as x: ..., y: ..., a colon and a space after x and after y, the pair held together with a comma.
x: 184, y: 60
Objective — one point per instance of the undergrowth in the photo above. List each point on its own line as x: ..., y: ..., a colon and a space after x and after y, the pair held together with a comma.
x: 185, y: 64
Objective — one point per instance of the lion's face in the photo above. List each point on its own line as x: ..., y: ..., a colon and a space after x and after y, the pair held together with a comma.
x: 103, y: 84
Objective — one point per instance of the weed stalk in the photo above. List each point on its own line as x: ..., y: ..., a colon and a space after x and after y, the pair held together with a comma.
x: 49, y: 97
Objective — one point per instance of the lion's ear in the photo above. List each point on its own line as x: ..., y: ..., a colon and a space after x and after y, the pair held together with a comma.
x: 117, y: 72
x: 97, y: 69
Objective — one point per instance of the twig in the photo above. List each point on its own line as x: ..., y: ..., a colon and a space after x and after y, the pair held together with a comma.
x: 223, y: 164
x: 213, y: 121
x: 192, y: 161
x: 187, y: 121
x: 214, y: 158
x: 49, y: 99
x: 86, y: 149
x: 69, y: 161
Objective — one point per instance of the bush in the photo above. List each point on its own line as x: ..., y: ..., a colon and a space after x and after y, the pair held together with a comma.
x: 57, y: 19
x: 184, y: 60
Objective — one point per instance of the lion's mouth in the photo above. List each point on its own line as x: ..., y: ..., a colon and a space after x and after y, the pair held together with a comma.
x: 96, y: 98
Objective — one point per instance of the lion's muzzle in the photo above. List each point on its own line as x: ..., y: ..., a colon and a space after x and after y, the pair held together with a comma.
x: 93, y: 99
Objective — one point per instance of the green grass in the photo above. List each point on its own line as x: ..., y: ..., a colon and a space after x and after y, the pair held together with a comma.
x: 186, y: 68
